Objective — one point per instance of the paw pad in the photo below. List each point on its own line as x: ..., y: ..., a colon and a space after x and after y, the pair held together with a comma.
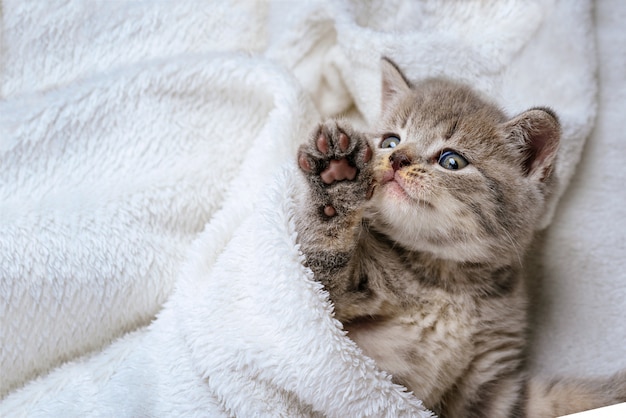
x: 304, y: 163
x: 322, y: 144
x: 344, y: 142
x: 338, y: 170
x: 329, y: 211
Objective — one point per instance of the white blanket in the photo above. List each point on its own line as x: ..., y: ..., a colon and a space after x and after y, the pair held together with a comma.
x: 142, y: 160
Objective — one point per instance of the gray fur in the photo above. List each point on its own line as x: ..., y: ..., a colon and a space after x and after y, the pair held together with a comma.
x: 425, y: 270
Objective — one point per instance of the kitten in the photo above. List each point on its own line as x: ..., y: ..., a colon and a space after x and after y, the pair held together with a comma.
x: 418, y: 232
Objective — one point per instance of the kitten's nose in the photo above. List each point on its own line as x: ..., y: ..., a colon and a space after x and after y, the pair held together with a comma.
x: 399, y: 159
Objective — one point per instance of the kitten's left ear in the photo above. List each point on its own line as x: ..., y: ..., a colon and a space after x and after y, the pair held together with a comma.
x: 538, y: 131
x: 394, y: 82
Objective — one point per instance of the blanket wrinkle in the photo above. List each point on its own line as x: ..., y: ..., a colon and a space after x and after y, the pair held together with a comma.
x: 148, y: 256
x: 51, y: 44
x: 254, y: 354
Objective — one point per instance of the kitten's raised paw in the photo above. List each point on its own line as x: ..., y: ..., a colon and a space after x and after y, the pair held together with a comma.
x: 335, y: 161
x: 335, y: 153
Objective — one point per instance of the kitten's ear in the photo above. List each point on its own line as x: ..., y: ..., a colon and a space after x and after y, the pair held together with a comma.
x: 394, y: 82
x: 538, y: 132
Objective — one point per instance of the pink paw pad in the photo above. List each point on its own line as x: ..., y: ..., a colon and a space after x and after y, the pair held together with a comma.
x: 329, y: 211
x: 368, y: 154
x: 338, y: 170
x: 304, y: 163
x: 322, y: 144
x: 344, y: 142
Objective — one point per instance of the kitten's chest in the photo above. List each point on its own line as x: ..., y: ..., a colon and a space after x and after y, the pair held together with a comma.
x: 427, y: 347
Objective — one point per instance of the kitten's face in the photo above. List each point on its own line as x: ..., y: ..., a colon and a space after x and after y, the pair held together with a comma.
x: 454, y: 177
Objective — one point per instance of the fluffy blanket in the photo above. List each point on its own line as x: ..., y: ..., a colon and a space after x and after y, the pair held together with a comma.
x: 147, y: 183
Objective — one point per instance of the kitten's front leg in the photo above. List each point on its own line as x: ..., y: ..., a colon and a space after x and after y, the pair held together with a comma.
x: 335, y: 163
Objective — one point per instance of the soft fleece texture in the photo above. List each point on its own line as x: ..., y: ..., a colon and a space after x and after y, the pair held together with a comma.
x: 579, y: 309
x: 146, y: 169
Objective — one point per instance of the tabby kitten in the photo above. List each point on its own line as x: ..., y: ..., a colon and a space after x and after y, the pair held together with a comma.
x: 418, y: 233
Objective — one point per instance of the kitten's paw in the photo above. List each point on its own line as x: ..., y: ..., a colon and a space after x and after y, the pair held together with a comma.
x: 335, y: 153
x: 335, y: 161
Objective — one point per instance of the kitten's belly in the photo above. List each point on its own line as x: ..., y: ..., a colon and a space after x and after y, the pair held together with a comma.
x: 425, y: 349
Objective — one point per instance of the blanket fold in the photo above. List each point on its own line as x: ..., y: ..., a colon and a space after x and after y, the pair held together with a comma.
x: 143, y: 188
x: 102, y: 231
x: 238, y: 342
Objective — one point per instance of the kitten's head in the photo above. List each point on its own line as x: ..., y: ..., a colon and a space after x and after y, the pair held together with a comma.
x: 454, y: 176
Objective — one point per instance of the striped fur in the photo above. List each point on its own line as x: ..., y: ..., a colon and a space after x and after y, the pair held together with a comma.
x: 423, y: 263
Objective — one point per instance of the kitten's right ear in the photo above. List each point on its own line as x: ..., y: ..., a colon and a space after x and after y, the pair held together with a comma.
x: 394, y: 82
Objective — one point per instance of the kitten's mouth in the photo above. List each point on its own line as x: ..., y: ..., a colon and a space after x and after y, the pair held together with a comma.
x: 396, y: 186
x: 388, y: 176
x: 394, y: 182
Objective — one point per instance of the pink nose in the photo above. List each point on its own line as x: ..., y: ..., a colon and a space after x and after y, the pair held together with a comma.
x: 398, y: 160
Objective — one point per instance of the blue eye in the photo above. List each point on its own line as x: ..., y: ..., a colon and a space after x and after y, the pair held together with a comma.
x: 390, y: 142
x: 450, y: 160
